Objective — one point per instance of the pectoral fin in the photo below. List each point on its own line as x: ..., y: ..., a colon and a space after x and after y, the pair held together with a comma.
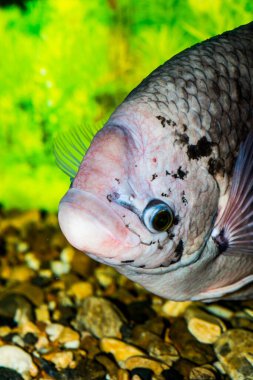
x: 234, y: 231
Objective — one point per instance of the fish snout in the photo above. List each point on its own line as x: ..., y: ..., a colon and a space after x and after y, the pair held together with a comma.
x: 90, y: 225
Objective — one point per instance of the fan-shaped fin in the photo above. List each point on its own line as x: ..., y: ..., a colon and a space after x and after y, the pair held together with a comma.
x: 71, y: 146
x: 235, y: 228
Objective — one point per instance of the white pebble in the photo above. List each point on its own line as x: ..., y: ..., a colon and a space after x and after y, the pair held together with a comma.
x: 17, y: 359
x: 59, y: 268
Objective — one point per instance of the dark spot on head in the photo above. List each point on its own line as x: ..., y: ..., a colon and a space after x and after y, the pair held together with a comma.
x: 176, y: 220
x: 182, y: 138
x: 165, y: 195
x: 184, y: 127
x: 142, y: 266
x: 154, y: 159
x: 167, y: 172
x: 171, y: 235
x: 109, y: 197
x: 165, y: 121
x: 154, y: 176
x: 127, y: 261
x: 203, y: 148
x: 179, y: 248
x: 180, y: 173
x: 117, y: 180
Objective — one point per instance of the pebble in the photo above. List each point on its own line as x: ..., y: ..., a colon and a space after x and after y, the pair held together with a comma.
x: 143, y: 362
x: 187, y: 346
x: 175, y: 309
x: 61, y: 360
x: 21, y: 273
x: 81, y: 290
x: 33, y: 293
x: 59, y: 268
x: 42, y: 314
x: 101, y: 317
x: 17, y: 359
x: 106, y: 276
x: 32, y: 261
x: 67, y: 254
x: 14, y: 309
x: 119, y: 349
x: 234, y: 350
x: 203, y: 326
x: 203, y: 373
x: 65, y: 336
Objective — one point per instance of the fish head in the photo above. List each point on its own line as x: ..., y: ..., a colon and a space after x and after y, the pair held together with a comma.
x: 135, y: 200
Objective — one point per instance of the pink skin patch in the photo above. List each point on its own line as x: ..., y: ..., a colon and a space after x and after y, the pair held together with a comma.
x: 90, y: 225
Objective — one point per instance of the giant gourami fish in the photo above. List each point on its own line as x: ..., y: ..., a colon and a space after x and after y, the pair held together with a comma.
x: 164, y: 193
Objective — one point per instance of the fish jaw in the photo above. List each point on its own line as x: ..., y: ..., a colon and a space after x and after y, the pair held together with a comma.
x: 90, y: 225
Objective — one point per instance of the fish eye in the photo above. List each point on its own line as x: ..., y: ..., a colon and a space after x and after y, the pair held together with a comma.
x: 158, y: 216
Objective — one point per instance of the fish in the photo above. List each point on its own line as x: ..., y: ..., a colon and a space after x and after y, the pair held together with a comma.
x: 164, y: 191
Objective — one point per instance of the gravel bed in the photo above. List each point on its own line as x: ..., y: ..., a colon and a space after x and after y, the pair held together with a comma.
x: 64, y: 317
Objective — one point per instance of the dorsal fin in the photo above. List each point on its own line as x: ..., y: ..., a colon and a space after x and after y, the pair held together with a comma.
x: 70, y: 148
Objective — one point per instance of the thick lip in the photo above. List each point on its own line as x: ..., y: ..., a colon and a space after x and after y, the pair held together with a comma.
x: 90, y: 225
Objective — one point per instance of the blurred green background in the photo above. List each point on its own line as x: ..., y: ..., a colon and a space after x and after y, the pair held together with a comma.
x: 68, y: 63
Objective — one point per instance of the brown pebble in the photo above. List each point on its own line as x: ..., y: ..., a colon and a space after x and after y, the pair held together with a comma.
x: 203, y: 373
x: 119, y: 349
x: 203, y: 326
x: 101, y: 317
x: 175, y: 309
x: 143, y: 362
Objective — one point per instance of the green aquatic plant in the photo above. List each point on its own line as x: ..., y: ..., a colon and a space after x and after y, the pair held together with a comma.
x: 67, y: 64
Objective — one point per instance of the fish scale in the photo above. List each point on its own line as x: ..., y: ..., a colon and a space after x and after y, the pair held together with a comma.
x: 208, y: 87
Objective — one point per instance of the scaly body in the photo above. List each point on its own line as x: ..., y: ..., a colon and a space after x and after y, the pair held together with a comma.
x: 173, y: 144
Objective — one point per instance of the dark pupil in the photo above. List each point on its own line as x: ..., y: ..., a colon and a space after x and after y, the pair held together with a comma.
x: 162, y: 220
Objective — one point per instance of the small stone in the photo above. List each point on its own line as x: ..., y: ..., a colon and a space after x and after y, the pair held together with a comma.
x: 203, y: 373
x: 59, y: 268
x: 82, y: 264
x: 109, y: 364
x: 64, y: 335
x: 187, y: 346
x: 220, y: 311
x: 21, y: 273
x: 106, y: 276
x: 123, y: 374
x: 61, y: 359
x: 81, y: 290
x: 175, y: 309
x: 234, y: 350
x: 42, y: 344
x: 17, y: 359
x: 101, y: 317
x: 32, y: 261
x: 204, y: 327
x: 143, y: 362
x: 119, y: 349
x: 4, y: 330
x: 67, y: 254
x: 14, y: 309
x: 33, y: 293
x: 42, y: 314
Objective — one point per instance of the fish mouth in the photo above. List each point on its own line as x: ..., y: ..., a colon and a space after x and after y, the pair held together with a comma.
x: 91, y: 226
